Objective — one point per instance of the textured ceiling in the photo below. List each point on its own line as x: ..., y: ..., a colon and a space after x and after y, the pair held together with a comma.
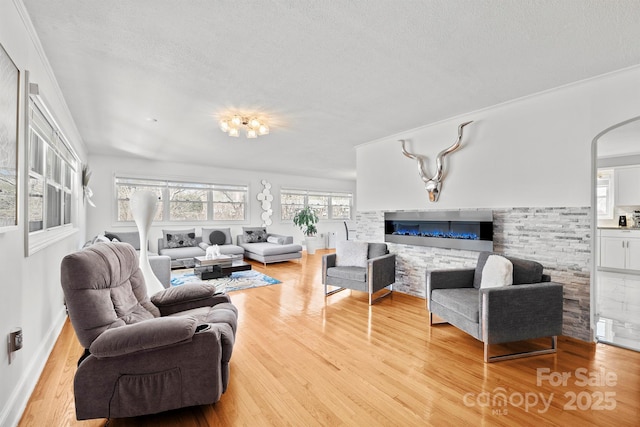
x: 329, y: 74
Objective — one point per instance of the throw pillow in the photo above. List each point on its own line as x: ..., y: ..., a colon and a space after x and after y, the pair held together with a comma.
x: 112, y: 237
x: 276, y: 240
x: 217, y: 237
x: 254, y: 234
x: 497, y: 272
x: 206, y: 235
x: 179, y: 238
x: 351, y: 253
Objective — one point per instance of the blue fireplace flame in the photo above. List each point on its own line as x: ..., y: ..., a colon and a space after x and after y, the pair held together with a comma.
x: 436, y: 233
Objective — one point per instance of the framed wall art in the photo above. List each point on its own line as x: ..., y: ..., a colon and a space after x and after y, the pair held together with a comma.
x: 9, y: 93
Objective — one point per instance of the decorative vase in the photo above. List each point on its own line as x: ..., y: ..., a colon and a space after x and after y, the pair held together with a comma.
x: 143, y: 208
x: 313, y: 243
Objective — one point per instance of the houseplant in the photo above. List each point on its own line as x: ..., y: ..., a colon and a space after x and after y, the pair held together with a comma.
x: 307, y: 219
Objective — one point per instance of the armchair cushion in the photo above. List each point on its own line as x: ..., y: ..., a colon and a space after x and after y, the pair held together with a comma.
x: 463, y: 301
x: 497, y: 272
x: 348, y: 273
x: 143, y: 336
x: 352, y: 253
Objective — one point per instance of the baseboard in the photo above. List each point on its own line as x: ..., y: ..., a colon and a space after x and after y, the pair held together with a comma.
x: 15, y: 406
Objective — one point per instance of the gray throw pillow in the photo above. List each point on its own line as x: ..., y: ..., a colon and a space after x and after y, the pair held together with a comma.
x: 217, y: 237
x: 351, y: 253
x: 206, y: 233
x: 179, y: 238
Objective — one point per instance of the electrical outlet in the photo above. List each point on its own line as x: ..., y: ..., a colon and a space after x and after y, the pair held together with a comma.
x: 14, y: 342
x: 15, y: 339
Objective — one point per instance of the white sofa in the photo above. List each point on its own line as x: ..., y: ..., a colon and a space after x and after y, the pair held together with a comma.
x: 183, y: 257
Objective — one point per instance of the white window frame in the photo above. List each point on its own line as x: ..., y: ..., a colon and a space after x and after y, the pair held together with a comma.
x: 56, y: 144
x: 605, y: 180
x: 329, y: 194
x: 165, y: 186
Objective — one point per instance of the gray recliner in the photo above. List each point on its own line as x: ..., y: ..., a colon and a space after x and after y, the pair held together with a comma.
x: 530, y: 308
x: 142, y: 355
x: 376, y: 273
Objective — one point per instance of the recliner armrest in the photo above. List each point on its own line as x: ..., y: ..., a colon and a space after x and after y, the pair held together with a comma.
x: 142, y: 336
x: 186, y: 297
x: 520, y: 312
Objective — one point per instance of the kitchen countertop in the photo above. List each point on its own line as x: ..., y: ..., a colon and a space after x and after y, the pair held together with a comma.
x: 618, y: 228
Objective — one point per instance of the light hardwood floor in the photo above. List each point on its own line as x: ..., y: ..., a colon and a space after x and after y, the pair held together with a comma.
x: 301, y: 360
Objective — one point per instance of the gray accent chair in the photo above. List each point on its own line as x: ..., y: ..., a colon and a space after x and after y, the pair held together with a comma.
x: 143, y: 355
x: 530, y: 308
x: 380, y: 273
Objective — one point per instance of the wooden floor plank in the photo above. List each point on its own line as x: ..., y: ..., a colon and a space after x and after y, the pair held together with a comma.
x: 303, y: 360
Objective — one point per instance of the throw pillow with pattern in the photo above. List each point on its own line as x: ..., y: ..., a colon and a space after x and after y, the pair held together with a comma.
x: 181, y: 240
x: 255, y: 235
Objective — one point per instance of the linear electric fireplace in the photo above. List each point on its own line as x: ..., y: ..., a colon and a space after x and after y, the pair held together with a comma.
x: 466, y: 230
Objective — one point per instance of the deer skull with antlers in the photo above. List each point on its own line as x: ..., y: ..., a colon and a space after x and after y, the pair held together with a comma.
x: 434, y: 184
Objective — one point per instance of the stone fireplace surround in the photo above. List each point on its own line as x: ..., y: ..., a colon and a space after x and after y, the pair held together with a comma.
x: 558, y: 238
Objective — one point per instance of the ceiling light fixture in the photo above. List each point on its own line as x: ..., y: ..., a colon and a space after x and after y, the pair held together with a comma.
x: 253, y: 126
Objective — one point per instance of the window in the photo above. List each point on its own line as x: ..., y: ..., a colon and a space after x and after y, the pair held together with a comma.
x: 327, y: 205
x: 604, y: 193
x: 185, y: 201
x: 52, y: 177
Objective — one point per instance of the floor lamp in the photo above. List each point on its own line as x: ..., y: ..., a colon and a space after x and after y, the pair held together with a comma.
x: 143, y: 208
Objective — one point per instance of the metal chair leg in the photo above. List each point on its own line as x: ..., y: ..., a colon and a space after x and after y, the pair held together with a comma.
x: 490, y: 359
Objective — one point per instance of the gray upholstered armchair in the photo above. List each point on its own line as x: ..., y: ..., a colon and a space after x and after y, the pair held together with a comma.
x: 361, y: 266
x: 142, y: 355
x: 530, y: 308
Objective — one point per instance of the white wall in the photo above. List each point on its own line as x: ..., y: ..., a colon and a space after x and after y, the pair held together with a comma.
x: 104, y: 168
x: 531, y: 152
x: 30, y: 288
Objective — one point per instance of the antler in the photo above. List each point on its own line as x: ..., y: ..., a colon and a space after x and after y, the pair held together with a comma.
x: 419, y: 159
x: 433, y: 185
x: 443, y: 153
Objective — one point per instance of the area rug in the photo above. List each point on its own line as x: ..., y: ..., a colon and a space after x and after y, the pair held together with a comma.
x: 237, y: 281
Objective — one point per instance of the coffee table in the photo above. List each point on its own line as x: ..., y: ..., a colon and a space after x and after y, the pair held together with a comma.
x: 216, y: 268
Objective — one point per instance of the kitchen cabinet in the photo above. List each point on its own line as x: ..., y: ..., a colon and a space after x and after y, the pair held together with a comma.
x: 620, y: 249
x: 627, y: 181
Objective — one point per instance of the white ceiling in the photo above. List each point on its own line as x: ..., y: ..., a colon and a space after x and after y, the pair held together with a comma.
x: 329, y: 74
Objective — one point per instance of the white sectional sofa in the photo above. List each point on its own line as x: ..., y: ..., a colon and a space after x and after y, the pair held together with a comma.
x: 269, y: 247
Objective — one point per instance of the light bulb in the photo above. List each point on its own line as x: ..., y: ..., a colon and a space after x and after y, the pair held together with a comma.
x: 234, y: 132
x: 251, y: 133
x: 236, y: 121
x: 263, y: 130
x: 254, y: 123
x: 224, y: 125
